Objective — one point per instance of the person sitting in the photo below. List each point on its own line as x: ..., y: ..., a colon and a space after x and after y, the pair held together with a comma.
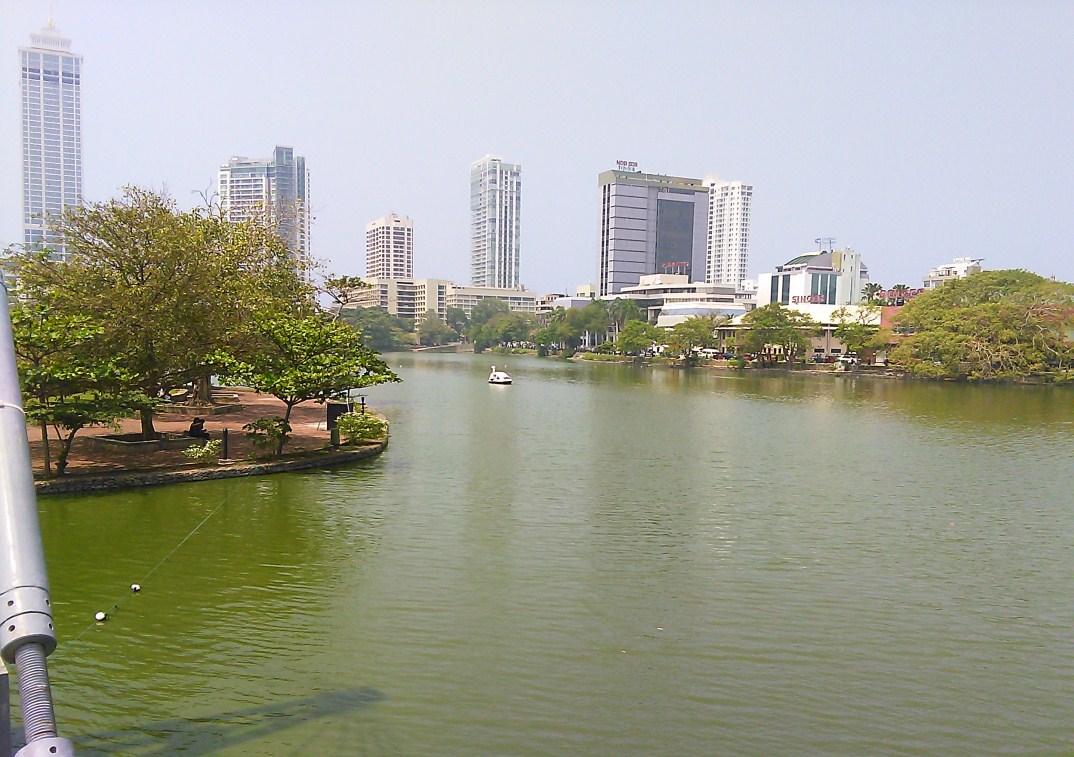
x: 197, y: 429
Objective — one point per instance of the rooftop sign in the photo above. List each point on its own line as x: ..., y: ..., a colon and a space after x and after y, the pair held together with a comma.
x: 627, y: 165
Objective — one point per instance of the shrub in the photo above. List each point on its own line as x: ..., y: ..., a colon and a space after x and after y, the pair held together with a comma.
x: 358, y: 427
x: 268, y: 433
x: 205, y: 454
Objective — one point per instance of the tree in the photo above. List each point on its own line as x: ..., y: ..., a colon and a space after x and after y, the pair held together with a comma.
x: 777, y: 326
x: 622, y: 311
x: 691, y: 335
x: 856, y: 328
x: 432, y: 331
x: 342, y: 290
x: 502, y: 329
x: 871, y: 292
x: 380, y: 330
x: 899, y: 293
x: 166, y: 288
x: 990, y: 325
x: 64, y: 381
x: 307, y: 358
x: 458, y: 321
x: 636, y: 337
x: 593, y: 320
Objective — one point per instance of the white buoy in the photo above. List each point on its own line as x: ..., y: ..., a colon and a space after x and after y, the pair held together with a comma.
x: 136, y: 588
x: 101, y: 617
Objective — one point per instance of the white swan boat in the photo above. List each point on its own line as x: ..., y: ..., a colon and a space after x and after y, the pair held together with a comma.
x: 499, y: 377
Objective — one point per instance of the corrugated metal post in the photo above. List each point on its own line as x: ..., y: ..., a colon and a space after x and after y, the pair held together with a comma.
x: 27, y: 636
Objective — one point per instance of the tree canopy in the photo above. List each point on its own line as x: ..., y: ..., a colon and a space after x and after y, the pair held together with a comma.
x: 777, y: 326
x: 990, y: 325
x: 166, y: 288
x: 309, y: 357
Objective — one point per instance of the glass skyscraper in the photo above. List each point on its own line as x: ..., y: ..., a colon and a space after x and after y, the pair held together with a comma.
x: 51, y: 136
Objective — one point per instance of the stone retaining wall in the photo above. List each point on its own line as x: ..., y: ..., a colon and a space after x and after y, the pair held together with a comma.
x: 133, y: 479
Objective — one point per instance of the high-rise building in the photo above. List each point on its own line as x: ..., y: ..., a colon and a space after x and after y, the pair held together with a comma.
x: 649, y: 224
x: 495, y: 209
x: 51, y: 136
x: 275, y: 188
x: 389, y: 247
x: 729, y: 232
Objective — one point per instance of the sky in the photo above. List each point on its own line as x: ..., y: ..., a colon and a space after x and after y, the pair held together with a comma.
x: 913, y: 132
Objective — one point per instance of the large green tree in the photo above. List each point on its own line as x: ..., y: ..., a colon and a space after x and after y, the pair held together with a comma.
x: 167, y: 288
x: 380, y: 330
x: 990, y: 325
x: 856, y: 328
x: 66, y: 383
x: 303, y: 358
x: 432, y: 331
x: 693, y: 334
x: 637, y: 336
x: 776, y: 326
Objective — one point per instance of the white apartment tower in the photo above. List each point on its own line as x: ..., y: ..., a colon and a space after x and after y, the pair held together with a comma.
x: 51, y: 136
x: 495, y: 209
x: 275, y: 188
x: 389, y: 247
x: 729, y: 232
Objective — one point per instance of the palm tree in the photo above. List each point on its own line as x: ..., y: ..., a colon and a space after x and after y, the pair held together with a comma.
x: 622, y: 311
x: 871, y: 292
x: 899, y: 292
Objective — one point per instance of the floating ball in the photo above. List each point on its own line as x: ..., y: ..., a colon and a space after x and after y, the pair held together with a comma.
x: 101, y: 617
x: 136, y: 588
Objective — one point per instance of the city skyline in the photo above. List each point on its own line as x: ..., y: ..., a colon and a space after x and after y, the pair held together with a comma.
x: 931, y: 140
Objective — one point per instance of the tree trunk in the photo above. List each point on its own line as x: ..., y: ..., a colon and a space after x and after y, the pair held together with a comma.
x: 65, y: 450
x: 45, y: 452
x: 148, y: 431
x: 203, y: 390
x: 283, y: 434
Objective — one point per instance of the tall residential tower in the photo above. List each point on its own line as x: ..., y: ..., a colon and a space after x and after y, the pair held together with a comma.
x: 729, y: 232
x: 51, y: 136
x: 495, y: 209
x: 277, y: 188
x: 389, y: 247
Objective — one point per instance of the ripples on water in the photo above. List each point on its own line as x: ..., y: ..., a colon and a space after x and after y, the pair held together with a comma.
x: 597, y: 560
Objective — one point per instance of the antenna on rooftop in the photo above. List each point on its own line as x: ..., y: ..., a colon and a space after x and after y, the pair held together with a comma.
x: 826, y: 244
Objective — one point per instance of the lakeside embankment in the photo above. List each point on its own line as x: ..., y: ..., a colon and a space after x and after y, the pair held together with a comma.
x: 93, y: 466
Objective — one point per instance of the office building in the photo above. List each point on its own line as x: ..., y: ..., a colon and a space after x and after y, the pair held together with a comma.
x: 51, y: 77
x: 728, y: 251
x: 275, y: 189
x: 495, y: 212
x: 650, y: 224
x: 389, y: 247
x: 959, y: 268
x: 816, y: 283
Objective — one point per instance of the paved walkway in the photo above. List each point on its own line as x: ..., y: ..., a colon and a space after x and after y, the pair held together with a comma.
x: 307, y: 423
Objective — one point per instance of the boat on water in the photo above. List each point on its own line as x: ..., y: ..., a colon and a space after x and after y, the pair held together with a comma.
x: 499, y: 377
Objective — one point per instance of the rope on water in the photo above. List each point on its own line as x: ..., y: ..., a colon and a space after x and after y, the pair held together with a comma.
x: 115, y: 605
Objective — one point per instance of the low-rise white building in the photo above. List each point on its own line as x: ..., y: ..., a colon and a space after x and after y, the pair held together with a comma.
x: 959, y: 268
x: 816, y: 283
x: 667, y: 296
x: 412, y: 298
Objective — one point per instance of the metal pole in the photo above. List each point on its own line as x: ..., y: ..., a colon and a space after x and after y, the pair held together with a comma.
x: 27, y: 636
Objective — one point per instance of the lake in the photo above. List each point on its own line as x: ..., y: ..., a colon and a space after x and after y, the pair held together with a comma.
x: 599, y: 560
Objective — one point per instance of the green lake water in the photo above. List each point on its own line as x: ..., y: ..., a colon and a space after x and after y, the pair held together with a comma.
x: 598, y: 560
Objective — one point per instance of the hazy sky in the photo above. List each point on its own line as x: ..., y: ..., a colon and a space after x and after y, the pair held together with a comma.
x: 913, y: 131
